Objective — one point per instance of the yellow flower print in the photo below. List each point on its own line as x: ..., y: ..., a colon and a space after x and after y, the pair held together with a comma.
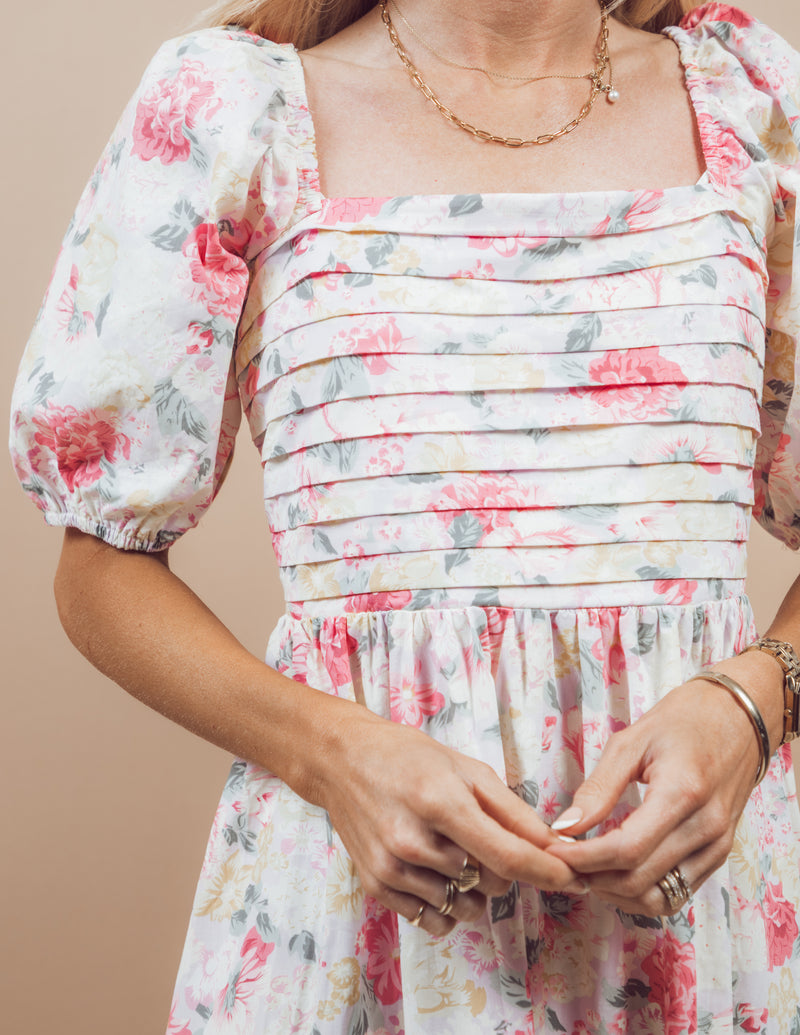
x: 345, y: 976
x: 317, y: 581
x: 444, y: 992
x: 224, y: 891
x: 345, y: 894
x: 391, y: 572
x: 782, y: 994
x: 229, y: 185
x: 98, y: 255
x: 743, y: 861
x: 402, y: 259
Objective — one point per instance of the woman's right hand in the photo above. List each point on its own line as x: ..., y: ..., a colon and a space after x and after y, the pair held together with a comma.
x: 410, y: 810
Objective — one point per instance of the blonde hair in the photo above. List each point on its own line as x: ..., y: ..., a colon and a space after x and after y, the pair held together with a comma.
x: 308, y: 22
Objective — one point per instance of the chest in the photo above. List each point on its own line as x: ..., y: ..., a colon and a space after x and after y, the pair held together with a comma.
x: 378, y: 136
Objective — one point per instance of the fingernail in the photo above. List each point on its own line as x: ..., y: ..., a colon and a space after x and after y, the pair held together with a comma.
x: 577, y: 887
x: 568, y: 840
x: 567, y: 819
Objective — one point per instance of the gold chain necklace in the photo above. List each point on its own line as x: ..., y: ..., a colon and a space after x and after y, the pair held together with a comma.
x: 603, y: 64
x: 524, y: 79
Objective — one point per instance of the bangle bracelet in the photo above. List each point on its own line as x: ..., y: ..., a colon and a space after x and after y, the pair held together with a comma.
x: 748, y: 705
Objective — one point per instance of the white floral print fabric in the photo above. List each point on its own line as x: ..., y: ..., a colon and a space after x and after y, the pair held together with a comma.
x: 511, y: 448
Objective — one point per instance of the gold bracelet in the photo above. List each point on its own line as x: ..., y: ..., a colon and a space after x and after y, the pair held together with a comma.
x: 748, y: 705
x: 786, y: 656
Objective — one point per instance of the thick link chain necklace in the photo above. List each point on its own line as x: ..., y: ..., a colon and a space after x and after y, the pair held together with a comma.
x: 595, y: 77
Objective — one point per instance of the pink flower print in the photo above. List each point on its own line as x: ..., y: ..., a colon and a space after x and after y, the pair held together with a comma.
x: 382, y: 944
x: 243, y: 981
x: 646, y: 383
x: 671, y: 972
x: 220, y: 276
x: 750, y: 1018
x: 174, y: 1026
x: 550, y: 723
x: 81, y: 440
x: 372, y: 340
x: 716, y: 13
x: 388, y: 459
x: 394, y: 600
x: 203, y: 337
x: 637, y: 216
x: 505, y: 246
x: 481, y: 953
x: 675, y: 591
x: 336, y: 653
x: 477, y: 272
x: 781, y: 925
x: 410, y: 700
x: 607, y: 647
x: 350, y: 210
x: 166, y: 110
x: 72, y: 320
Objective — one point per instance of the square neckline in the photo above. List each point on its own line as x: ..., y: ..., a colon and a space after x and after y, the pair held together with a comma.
x: 704, y: 182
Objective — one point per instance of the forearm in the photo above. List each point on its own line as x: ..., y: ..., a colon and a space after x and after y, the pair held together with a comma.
x: 143, y: 627
x: 760, y: 674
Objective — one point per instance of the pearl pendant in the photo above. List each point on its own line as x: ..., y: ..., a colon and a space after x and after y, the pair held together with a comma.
x: 612, y: 96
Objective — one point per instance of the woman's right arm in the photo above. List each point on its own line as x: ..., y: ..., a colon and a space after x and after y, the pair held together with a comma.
x: 407, y: 808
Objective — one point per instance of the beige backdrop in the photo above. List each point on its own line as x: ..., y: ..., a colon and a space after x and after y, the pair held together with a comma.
x: 109, y: 805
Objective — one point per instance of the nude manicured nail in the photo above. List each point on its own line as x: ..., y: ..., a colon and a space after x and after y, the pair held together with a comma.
x: 567, y: 819
x: 566, y: 839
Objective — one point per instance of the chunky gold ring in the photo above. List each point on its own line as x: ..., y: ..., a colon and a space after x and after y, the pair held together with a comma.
x: 675, y: 888
x: 418, y: 917
x: 450, y: 893
x: 470, y: 876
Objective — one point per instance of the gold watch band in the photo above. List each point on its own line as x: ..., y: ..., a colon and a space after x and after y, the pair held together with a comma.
x: 786, y: 656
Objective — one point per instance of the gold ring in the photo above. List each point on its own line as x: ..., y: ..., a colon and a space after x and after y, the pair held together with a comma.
x: 450, y: 893
x: 470, y: 876
x: 418, y: 917
x: 675, y: 888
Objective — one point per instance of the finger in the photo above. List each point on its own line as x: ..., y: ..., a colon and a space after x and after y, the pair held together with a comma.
x: 638, y: 837
x: 420, y: 914
x: 500, y: 831
x: 620, y: 764
x: 450, y: 859
x: 651, y: 900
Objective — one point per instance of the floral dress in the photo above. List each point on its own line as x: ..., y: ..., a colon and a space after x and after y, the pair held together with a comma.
x: 511, y: 446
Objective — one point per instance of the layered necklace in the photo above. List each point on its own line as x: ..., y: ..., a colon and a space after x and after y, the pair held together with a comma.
x: 600, y: 78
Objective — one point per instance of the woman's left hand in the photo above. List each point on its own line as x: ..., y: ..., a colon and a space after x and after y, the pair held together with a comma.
x: 698, y: 755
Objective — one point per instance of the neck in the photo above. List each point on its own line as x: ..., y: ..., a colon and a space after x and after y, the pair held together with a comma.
x: 509, y: 35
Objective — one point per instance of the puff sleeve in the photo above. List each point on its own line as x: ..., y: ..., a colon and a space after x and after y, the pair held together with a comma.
x: 750, y: 121
x: 126, y: 406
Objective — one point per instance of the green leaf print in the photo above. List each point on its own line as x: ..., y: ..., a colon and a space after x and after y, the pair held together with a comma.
x: 552, y: 1019
x: 552, y: 248
x: 176, y: 413
x: 453, y: 559
x: 585, y: 331
x: 359, y: 1022
x: 704, y: 274
x: 465, y: 204
x: 303, y: 945
x: 505, y: 906
x: 513, y: 989
x: 320, y: 540
x: 528, y: 790
x: 465, y: 530
x: 382, y: 247
x: 171, y: 235
x: 344, y: 371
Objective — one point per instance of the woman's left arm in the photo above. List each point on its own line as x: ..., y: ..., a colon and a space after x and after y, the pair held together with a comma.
x: 697, y: 752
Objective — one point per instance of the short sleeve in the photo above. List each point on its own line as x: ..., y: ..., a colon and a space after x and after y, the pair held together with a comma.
x: 754, y: 75
x: 126, y: 406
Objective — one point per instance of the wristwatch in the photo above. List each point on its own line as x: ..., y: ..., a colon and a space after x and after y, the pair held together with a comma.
x: 786, y: 656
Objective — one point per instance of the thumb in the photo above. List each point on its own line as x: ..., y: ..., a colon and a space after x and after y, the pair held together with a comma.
x: 595, y: 799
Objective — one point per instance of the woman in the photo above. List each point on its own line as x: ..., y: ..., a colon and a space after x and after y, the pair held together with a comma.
x: 508, y: 395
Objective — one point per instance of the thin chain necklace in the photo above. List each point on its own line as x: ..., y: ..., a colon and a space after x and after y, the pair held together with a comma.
x: 596, y: 77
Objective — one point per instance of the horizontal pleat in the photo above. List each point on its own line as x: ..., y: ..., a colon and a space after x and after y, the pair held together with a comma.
x: 449, y: 490
x: 373, y: 535
x: 430, y: 569
x: 506, y: 451
x: 483, y: 396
